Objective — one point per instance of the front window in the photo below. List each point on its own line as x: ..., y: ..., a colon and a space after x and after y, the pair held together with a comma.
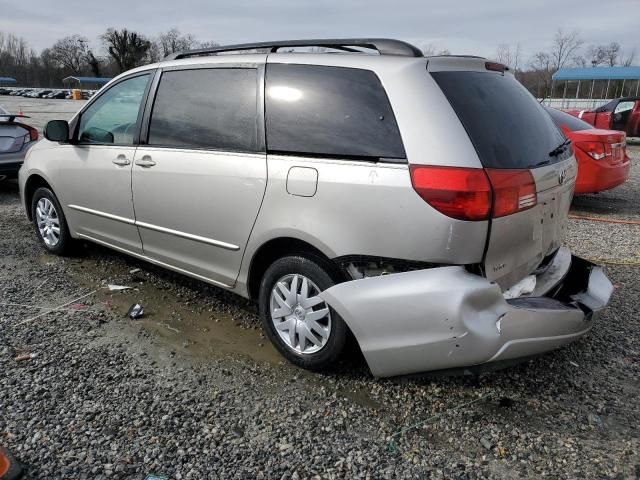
x: 113, y: 117
x: 624, y: 107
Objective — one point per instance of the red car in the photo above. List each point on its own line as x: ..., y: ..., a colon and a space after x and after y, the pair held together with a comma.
x: 619, y: 114
x: 601, y: 154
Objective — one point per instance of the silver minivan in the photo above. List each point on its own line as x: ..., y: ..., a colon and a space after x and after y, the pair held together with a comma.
x: 418, y: 204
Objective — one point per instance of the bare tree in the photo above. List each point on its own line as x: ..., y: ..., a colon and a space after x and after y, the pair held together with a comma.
x: 70, y: 52
x: 128, y: 49
x: 596, y: 55
x: 173, y: 41
x: 540, y: 66
x: 565, y: 46
x: 154, y: 54
x: 208, y: 44
x: 509, y: 56
x: 611, y: 53
x: 580, y: 61
x: 430, y: 49
x: 94, y: 64
x: 629, y: 58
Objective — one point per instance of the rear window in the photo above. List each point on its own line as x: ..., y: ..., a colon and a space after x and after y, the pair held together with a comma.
x: 329, y: 111
x: 563, y: 119
x: 507, y: 126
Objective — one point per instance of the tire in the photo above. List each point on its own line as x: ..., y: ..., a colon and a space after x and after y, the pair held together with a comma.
x: 54, y: 218
x: 303, y: 351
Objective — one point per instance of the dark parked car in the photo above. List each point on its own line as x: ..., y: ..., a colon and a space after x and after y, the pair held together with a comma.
x: 15, y: 140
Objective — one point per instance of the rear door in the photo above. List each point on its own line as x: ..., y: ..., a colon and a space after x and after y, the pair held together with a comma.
x: 199, y: 180
x: 510, y: 130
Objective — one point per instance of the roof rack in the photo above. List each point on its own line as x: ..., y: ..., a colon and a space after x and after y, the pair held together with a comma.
x: 384, y: 46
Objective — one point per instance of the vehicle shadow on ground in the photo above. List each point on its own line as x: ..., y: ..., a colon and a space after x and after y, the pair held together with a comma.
x: 9, y: 187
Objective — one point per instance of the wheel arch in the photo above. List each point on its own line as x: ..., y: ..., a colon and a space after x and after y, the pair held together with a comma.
x: 279, y: 247
x: 34, y: 182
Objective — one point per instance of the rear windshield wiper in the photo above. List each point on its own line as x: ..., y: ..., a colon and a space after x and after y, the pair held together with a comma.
x: 560, y: 148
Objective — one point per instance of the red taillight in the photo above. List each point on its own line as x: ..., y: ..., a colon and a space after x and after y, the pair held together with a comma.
x: 596, y: 150
x: 462, y: 193
x: 513, y: 191
x: 33, y: 134
x: 474, y: 193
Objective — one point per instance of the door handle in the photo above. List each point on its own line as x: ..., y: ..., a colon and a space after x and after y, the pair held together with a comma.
x: 121, y: 161
x: 145, y: 162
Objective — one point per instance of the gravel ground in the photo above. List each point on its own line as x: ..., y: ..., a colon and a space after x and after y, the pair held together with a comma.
x: 194, y: 391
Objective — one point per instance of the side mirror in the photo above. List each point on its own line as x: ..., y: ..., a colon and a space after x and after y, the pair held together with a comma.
x: 57, y: 131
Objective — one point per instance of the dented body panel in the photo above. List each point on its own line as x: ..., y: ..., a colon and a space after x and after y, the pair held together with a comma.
x: 447, y: 317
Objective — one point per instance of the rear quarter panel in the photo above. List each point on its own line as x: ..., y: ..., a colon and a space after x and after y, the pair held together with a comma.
x: 361, y: 209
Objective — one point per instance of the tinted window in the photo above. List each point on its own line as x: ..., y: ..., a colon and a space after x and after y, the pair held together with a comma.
x: 569, y: 121
x: 206, y: 108
x: 335, y: 111
x: 507, y: 126
x: 113, y: 116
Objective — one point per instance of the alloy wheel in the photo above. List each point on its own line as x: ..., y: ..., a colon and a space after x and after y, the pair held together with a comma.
x: 48, y: 222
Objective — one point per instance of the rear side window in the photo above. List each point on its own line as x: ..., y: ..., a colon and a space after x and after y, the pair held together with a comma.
x: 562, y: 119
x: 206, y: 108
x: 329, y: 111
x: 507, y: 126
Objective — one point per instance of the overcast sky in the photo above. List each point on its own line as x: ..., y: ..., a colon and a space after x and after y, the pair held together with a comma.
x: 462, y: 26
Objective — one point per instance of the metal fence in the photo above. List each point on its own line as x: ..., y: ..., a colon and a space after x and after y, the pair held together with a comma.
x: 577, y: 103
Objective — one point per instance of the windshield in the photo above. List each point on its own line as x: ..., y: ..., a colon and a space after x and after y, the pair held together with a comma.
x: 508, y: 127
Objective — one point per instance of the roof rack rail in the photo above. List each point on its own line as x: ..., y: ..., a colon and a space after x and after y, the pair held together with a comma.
x: 384, y: 46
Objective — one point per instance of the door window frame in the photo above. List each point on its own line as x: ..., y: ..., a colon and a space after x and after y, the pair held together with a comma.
x: 153, y: 92
x: 153, y: 73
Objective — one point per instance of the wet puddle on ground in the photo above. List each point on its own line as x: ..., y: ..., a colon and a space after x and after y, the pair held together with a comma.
x: 192, y: 327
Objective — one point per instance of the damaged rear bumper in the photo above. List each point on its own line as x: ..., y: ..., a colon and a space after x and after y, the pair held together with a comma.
x: 447, y: 317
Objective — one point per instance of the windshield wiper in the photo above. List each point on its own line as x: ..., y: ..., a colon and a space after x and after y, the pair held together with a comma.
x: 560, y: 148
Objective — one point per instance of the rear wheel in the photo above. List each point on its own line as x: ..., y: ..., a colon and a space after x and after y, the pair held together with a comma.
x: 298, y: 322
x: 49, y: 222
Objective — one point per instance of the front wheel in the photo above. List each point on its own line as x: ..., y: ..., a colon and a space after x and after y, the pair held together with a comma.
x: 298, y: 322
x: 49, y: 222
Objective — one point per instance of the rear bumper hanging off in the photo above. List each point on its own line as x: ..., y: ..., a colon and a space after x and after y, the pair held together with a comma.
x: 447, y: 317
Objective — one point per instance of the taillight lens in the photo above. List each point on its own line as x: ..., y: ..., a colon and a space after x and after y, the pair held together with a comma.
x: 513, y: 191
x: 33, y: 133
x: 596, y: 150
x: 462, y: 193
x: 474, y: 193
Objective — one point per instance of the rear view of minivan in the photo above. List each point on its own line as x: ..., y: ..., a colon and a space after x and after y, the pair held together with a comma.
x: 418, y: 204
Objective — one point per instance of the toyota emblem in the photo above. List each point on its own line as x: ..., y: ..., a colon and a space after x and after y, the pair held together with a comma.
x: 562, y: 176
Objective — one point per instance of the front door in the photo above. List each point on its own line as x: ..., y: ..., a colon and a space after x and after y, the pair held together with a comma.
x: 94, y: 175
x: 199, y: 181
